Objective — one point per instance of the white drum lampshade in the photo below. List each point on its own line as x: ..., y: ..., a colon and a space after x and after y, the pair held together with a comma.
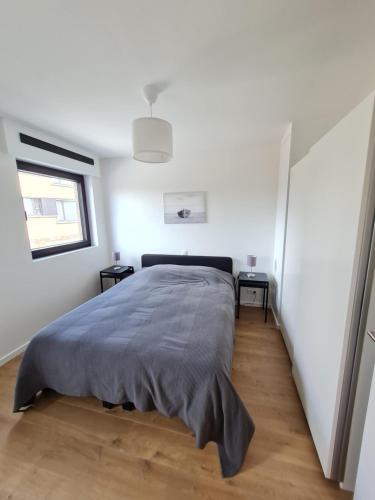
x: 152, y: 140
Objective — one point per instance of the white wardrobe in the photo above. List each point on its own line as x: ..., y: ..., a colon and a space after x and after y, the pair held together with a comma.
x: 329, y: 206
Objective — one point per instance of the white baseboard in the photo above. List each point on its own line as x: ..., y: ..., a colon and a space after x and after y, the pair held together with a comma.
x: 276, y: 318
x: 259, y: 304
x: 13, y: 354
x: 346, y: 487
x: 251, y: 304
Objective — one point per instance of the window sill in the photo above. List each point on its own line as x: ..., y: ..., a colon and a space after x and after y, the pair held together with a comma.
x: 62, y: 254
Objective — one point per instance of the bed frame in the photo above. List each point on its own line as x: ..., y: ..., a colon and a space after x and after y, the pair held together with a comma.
x: 222, y: 263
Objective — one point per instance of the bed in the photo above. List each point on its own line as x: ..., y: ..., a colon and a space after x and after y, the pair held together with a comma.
x: 161, y: 339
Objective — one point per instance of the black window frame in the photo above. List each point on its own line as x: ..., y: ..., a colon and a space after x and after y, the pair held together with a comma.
x: 23, y: 166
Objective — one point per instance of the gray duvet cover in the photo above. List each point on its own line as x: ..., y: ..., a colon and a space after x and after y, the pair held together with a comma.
x: 163, y: 339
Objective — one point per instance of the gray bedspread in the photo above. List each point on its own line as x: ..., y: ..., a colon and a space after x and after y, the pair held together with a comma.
x: 163, y: 339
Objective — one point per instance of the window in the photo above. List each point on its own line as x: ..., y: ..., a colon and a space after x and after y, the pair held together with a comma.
x: 60, y: 182
x: 66, y: 211
x: 55, y: 209
x: 33, y: 206
x: 38, y: 207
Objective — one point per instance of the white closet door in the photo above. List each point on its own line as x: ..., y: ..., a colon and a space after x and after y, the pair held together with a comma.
x: 321, y: 258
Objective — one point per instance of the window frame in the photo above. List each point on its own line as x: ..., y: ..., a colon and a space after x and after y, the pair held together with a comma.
x: 23, y: 166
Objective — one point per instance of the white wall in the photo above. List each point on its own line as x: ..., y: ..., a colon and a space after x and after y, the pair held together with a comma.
x: 281, y: 217
x: 327, y: 203
x: 241, y: 199
x: 33, y: 293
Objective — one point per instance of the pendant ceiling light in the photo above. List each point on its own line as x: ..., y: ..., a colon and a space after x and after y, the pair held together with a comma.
x: 152, y: 137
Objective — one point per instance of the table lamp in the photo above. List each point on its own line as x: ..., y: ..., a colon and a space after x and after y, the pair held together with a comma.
x: 116, y: 258
x: 251, y: 262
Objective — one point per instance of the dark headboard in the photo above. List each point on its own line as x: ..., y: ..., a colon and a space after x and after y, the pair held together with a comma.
x: 222, y: 263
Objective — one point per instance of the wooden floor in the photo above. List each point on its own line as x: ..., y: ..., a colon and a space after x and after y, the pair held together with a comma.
x: 71, y: 448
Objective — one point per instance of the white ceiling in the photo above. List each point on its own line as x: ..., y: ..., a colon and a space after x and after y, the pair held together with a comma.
x: 236, y: 71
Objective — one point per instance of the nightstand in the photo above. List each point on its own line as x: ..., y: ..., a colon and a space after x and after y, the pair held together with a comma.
x: 118, y: 273
x: 259, y: 280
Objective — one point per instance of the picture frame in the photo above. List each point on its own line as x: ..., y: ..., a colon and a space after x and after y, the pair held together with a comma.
x: 188, y: 207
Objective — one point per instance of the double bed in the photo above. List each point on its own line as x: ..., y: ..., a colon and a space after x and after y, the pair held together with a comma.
x: 161, y: 339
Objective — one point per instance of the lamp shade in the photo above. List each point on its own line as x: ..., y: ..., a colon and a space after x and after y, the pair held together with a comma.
x: 116, y: 256
x: 251, y: 260
x: 152, y: 140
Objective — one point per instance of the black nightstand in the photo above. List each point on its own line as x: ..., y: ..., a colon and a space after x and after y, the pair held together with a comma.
x: 117, y: 273
x: 260, y: 280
